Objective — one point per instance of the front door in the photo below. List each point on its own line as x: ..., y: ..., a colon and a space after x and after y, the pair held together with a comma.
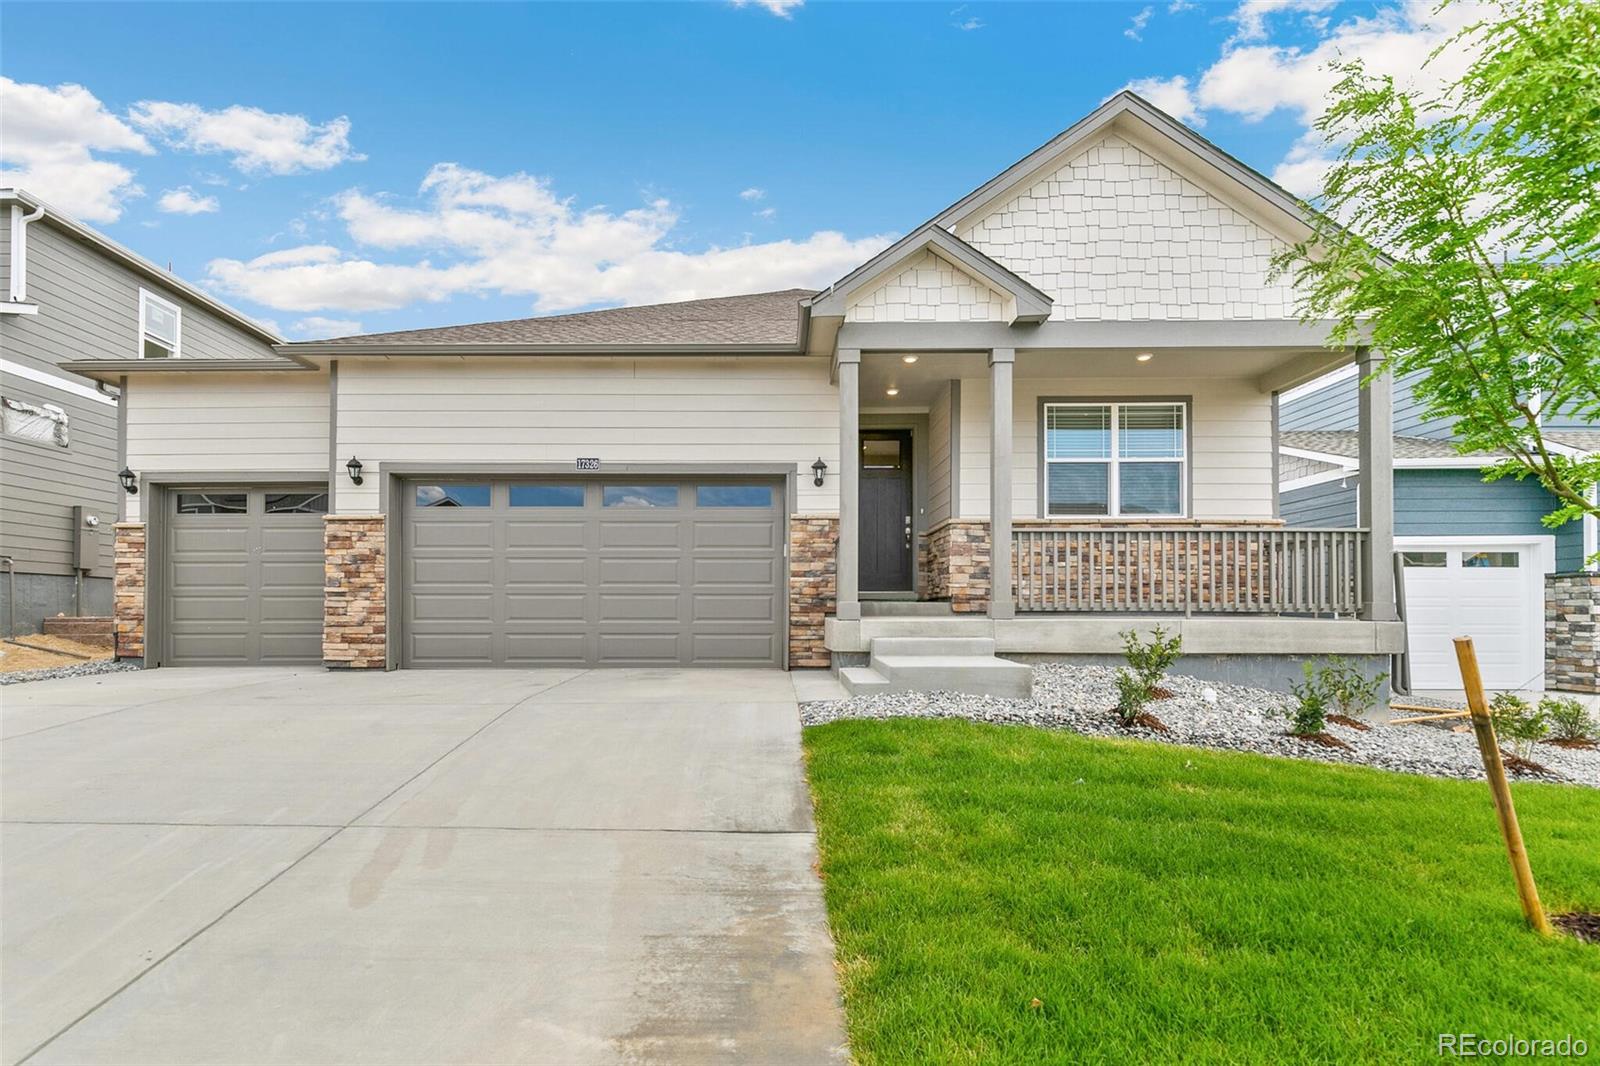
x: 886, y: 548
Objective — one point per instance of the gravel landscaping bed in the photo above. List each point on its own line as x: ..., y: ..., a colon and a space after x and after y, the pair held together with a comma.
x: 84, y: 669
x: 1236, y: 718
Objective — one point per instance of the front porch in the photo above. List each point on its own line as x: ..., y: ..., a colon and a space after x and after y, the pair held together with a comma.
x: 1064, y: 495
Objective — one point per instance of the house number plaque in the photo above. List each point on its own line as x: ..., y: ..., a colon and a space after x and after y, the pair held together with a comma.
x: 588, y: 464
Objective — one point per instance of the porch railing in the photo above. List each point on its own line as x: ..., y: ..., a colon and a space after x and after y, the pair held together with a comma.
x: 1192, y: 570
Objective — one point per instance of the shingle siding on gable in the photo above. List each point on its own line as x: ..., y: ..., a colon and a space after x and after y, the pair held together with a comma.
x: 929, y: 289
x: 1116, y: 234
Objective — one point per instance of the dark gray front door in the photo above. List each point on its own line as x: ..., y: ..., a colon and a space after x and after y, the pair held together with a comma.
x: 886, y: 551
x: 243, y: 576
x: 551, y: 572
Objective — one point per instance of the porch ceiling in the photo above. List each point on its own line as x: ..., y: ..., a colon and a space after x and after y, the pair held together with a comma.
x: 918, y: 381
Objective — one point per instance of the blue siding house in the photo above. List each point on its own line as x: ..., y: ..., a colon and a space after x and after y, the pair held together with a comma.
x: 1475, y: 554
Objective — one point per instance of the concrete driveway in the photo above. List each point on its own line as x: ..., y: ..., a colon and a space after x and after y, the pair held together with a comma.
x: 212, y: 866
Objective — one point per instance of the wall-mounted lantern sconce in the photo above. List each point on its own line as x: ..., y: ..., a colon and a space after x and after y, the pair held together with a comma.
x: 354, y: 466
x: 130, y: 483
x: 819, y: 468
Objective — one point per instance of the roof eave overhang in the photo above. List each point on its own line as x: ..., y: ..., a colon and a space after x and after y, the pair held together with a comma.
x: 1032, y: 304
x: 111, y: 371
x: 314, y: 350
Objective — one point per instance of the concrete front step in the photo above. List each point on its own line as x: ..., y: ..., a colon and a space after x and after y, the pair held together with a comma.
x: 983, y: 647
x: 906, y: 609
x: 862, y: 680
x: 955, y: 673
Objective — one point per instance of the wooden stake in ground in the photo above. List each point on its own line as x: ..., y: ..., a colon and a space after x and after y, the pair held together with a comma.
x: 1489, y: 748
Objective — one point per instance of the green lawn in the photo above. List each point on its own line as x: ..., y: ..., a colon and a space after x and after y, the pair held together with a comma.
x: 1162, y: 902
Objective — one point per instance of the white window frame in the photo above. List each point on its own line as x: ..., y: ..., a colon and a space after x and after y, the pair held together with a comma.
x: 1114, y: 460
x: 146, y: 295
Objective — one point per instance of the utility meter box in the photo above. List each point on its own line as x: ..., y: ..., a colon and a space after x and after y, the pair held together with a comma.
x: 85, y: 539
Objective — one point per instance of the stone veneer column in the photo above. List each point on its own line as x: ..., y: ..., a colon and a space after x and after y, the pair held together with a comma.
x: 128, y: 588
x: 813, y: 551
x: 1572, y: 632
x: 958, y: 564
x: 354, y: 592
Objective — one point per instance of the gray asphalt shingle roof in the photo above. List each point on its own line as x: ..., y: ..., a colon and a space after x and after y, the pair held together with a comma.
x: 1346, y: 443
x: 763, y: 318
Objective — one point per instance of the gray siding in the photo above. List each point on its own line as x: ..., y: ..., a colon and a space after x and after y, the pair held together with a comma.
x: 1445, y: 503
x: 89, y: 309
x: 40, y: 483
x: 1334, y: 407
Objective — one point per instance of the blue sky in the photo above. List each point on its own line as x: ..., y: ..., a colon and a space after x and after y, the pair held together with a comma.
x: 335, y: 168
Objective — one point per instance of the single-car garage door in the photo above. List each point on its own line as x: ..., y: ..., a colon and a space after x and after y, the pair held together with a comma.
x: 1491, y: 592
x: 589, y: 572
x: 244, y: 576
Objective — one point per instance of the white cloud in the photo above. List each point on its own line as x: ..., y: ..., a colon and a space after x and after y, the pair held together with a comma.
x: 48, y: 145
x: 1250, y: 17
x: 767, y: 213
x: 966, y: 23
x: 258, y: 141
x: 1177, y: 7
x: 1171, y: 95
x: 1135, y: 30
x: 475, y: 233
x: 185, y: 201
x: 316, y: 327
x: 752, y: 194
x: 784, y: 9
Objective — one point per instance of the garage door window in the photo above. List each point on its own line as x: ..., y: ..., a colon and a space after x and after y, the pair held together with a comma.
x: 1423, y: 560
x: 553, y: 495
x: 641, y: 496
x: 733, y: 496
x: 452, y: 495
x: 211, y: 502
x: 1491, y: 560
x: 297, y: 503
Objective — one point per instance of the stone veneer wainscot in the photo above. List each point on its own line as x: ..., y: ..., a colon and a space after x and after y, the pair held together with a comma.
x: 813, y: 589
x: 1572, y: 632
x: 354, y: 595
x: 129, y: 589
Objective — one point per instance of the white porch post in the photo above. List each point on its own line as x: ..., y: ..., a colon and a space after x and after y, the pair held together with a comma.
x: 1001, y: 602
x: 848, y: 560
x: 1376, y: 488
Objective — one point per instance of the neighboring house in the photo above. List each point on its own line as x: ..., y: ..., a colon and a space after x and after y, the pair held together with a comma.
x: 1476, y: 558
x: 72, y: 294
x: 1047, y: 413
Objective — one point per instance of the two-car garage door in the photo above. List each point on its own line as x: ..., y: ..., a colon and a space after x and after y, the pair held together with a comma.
x: 573, y: 572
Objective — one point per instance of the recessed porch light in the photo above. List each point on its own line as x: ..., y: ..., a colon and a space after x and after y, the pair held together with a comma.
x: 891, y: 391
x: 1145, y: 357
x: 908, y: 359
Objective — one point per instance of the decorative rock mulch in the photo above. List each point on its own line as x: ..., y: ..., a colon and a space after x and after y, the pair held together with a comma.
x: 97, y: 666
x: 1081, y: 698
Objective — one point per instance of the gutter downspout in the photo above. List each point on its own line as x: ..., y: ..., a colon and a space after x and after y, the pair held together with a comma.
x: 19, y: 251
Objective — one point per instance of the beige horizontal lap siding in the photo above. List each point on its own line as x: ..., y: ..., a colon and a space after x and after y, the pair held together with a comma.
x: 1232, y: 441
x: 226, y: 423
x: 89, y: 309
x: 470, y: 412
x: 40, y: 483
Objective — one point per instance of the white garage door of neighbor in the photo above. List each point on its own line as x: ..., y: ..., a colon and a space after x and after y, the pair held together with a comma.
x: 1489, y: 591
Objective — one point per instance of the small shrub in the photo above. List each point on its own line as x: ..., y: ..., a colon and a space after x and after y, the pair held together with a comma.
x: 1517, y: 722
x: 1147, y: 665
x: 1309, y: 715
x: 1348, y: 691
x: 1568, y: 719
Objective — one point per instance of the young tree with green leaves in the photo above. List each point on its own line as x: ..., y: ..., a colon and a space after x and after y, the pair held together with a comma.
x: 1459, y: 236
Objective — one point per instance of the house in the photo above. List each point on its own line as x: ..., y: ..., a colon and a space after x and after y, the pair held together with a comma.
x: 1476, y: 558
x: 1040, y: 418
x: 72, y: 295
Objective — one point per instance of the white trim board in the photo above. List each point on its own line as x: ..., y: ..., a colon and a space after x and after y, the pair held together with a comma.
x: 40, y: 377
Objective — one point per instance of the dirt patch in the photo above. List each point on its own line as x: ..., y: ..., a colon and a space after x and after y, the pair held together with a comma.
x: 1144, y: 720
x: 1349, y: 723
x: 1516, y: 764
x: 1581, y: 924
x: 39, y: 652
x: 1574, y: 743
x: 1327, y: 740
